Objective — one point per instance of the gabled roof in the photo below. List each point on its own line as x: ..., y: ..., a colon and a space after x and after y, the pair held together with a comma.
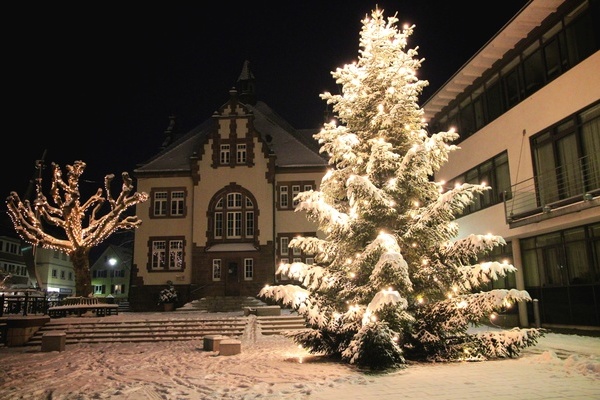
x: 122, y: 253
x: 288, y: 146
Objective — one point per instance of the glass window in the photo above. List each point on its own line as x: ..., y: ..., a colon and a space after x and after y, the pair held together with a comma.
x: 284, y: 241
x: 158, y: 254
x: 235, y: 217
x: 160, y: 203
x: 533, y: 69
x: 175, y: 254
x: 224, y: 155
x: 177, y: 201
x: 241, y: 153
x: 248, y: 269
x: 216, y: 270
x: 218, y: 224
x: 283, y: 276
x: 283, y: 196
x: 249, y: 223
x: 295, y: 191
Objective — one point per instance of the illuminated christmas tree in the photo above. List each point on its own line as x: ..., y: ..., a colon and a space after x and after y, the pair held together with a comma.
x: 61, y: 222
x: 391, y: 281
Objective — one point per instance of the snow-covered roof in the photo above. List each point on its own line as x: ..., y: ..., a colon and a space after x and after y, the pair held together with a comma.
x: 289, y: 146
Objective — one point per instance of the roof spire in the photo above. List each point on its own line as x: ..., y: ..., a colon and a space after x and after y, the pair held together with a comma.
x: 246, y: 83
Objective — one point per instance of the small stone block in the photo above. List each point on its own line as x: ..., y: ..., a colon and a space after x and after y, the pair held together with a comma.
x: 54, y: 341
x: 230, y: 347
x: 211, y: 342
x: 268, y: 310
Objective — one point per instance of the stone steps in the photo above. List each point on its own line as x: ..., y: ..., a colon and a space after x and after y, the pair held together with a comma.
x: 115, y: 329
x: 276, y: 325
x: 140, y: 331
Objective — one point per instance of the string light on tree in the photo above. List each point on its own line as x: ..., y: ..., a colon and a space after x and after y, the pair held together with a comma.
x: 378, y: 200
x: 62, y: 222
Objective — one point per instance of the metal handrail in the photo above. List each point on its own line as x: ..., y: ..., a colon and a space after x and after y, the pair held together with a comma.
x: 564, y: 185
x: 25, y: 304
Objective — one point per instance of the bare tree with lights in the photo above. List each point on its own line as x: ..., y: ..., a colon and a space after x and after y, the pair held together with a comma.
x: 391, y: 280
x: 61, y: 222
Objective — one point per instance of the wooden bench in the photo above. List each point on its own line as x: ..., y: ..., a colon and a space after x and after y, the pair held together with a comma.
x: 80, y: 305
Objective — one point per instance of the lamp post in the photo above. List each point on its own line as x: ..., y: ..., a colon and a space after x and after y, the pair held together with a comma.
x: 112, y: 262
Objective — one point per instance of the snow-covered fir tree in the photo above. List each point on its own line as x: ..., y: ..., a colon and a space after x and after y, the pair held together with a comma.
x: 391, y: 281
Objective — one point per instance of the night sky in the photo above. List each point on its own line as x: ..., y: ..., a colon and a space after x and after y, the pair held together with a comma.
x: 98, y: 83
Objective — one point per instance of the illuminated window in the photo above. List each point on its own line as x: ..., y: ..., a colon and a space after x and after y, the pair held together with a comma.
x: 216, y: 270
x: 233, y: 216
x: 167, y: 254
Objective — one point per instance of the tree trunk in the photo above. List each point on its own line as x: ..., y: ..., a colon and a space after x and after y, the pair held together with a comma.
x: 83, y: 278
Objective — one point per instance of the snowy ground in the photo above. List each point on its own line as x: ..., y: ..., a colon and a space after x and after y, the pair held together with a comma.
x: 272, y: 367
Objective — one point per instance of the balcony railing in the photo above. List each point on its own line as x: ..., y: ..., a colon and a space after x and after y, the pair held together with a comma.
x: 565, y: 185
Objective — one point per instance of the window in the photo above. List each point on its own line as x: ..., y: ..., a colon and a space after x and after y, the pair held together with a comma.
x: 501, y: 254
x: 62, y: 274
x: 158, y: 254
x: 249, y: 223
x: 562, y: 258
x: 218, y: 228
x: 282, y: 276
x: 168, y: 203
x: 284, y: 250
x: 234, y: 224
x: 119, y: 289
x: 295, y: 191
x: 296, y: 251
x: 240, y: 153
x: 54, y: 273
x: 285, y: 189
x: 216, y: 270
x: 233, y: 215
x: 160, y: 204
x: 234, y: 200
x: 99, y: 289
x: 283, y: 197
x: 175, y: 254
x: 248, y: 269
x: 495, y: 173
x: 177, y: 201
x: 225, y: 154
x: 160, y: 248
x: 566, y: 156
x: 283, y: 245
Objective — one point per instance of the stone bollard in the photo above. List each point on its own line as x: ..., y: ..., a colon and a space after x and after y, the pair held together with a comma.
x: 230, y: 347
x: 211, y: 342
x: 54, y: 341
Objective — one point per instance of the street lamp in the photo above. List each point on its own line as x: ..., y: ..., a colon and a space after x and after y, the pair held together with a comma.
x: 112, y: 262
